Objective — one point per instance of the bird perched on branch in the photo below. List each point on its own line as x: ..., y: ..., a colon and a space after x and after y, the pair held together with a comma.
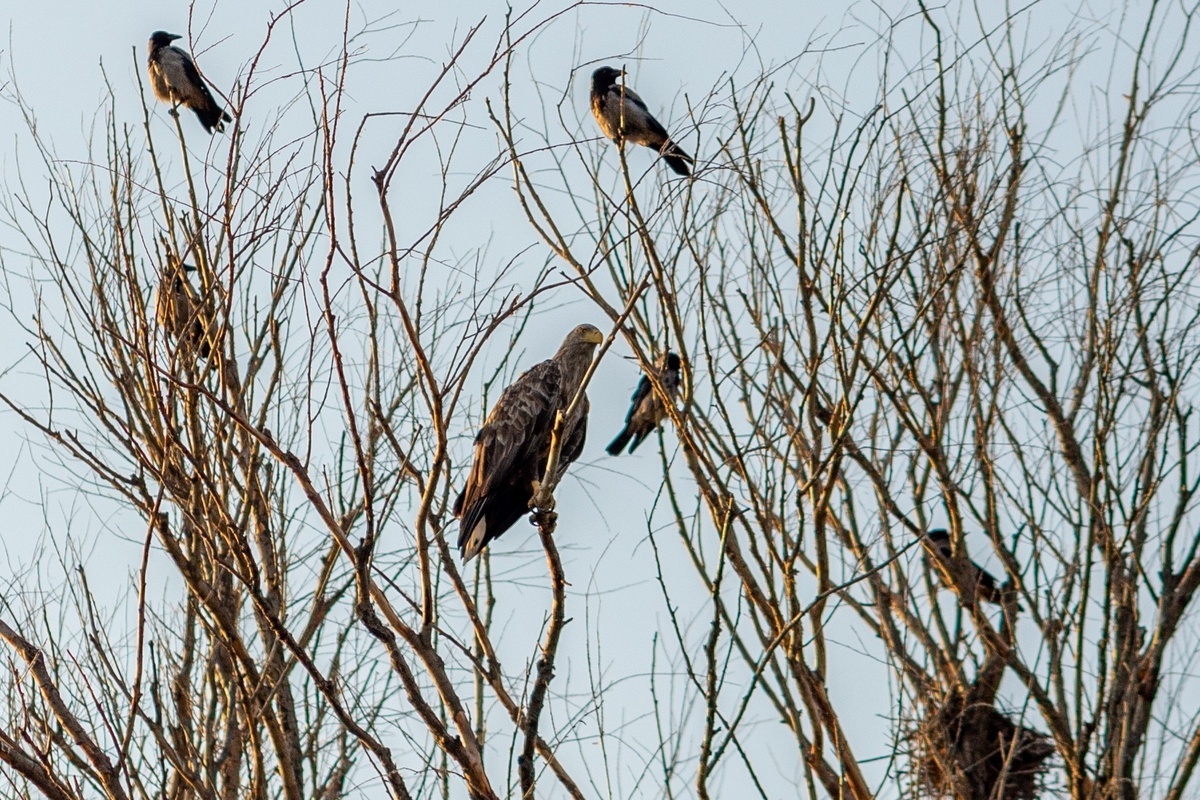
x: 623, y: 116
x: 987, y: 588
x: 513, y: 446
x: 180, y: 311
x: 647, y: 410
x: 175, y: 80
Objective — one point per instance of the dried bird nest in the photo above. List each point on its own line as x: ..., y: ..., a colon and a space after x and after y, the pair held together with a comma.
x: 966, y: 750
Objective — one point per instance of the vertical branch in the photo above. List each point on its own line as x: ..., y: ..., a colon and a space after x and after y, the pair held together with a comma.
x: 531, y: 715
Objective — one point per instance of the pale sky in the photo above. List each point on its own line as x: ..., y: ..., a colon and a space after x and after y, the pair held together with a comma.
x: 58, y: 55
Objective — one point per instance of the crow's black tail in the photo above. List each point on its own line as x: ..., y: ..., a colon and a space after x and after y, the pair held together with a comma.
x: 211, y: 115
x: 639, y: 438
x: 677, y: 159
x: 618, y: 444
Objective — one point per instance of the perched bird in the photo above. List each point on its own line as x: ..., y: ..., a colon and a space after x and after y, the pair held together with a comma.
x: 647, y: 411
x: 987, y: 588
x: 179, y: 309
x: 175, y: 80
x: 623, y: 116
x: 512, y: 448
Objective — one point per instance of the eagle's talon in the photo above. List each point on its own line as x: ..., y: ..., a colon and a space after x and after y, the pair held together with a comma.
x: 542, y: 500
x: 544, y: 517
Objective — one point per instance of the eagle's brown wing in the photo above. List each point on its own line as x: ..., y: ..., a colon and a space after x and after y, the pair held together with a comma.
x: 510, y: 451
x: 575, y: 436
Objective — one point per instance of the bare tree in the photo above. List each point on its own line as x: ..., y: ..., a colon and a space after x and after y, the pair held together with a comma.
x: 204, y: 405
x: 926, y: 314
x: 925, y: 309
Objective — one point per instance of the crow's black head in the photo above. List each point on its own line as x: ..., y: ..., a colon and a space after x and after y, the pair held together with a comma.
x: 939, y: 536
x: 672, y: 362
x: 162, y: 38
x: 605, y: 77
x: 181, y: 271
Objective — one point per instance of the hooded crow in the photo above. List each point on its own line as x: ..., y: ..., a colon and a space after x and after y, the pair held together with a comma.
x: 987, y: 588
x: 623, y: 116
x: 647, y: 411
x: 180, y: 311
x: 175, y: 80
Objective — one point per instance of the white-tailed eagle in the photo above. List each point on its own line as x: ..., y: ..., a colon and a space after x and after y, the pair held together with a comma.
x: 512, y: 448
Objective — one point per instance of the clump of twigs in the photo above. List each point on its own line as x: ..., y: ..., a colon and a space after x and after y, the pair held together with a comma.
x: 967, y: 750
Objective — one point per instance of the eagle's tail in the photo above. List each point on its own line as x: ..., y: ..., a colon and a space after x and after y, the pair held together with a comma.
x: 471, y: 541
x: 483, y: 519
